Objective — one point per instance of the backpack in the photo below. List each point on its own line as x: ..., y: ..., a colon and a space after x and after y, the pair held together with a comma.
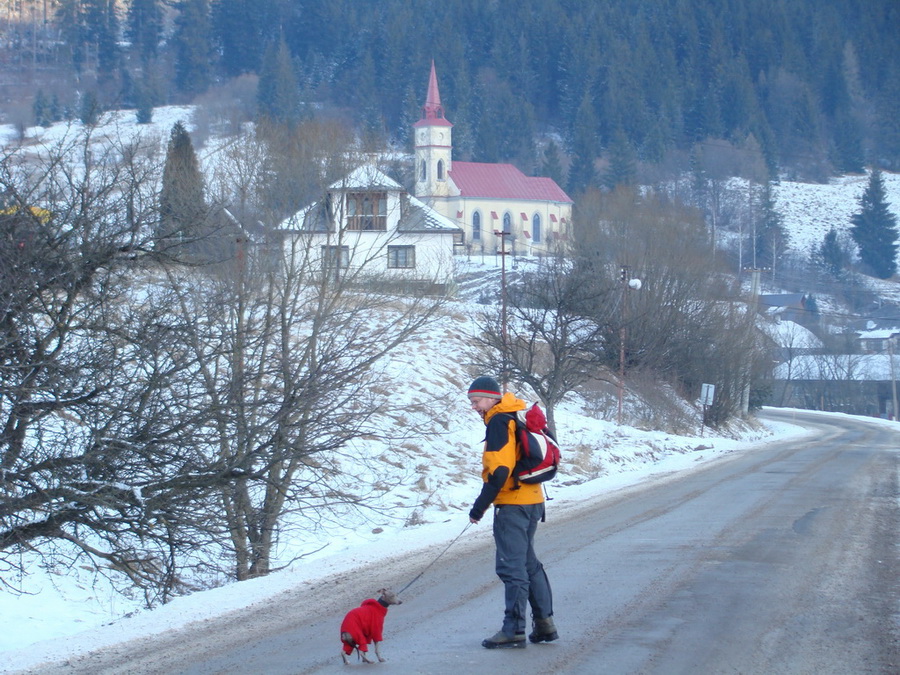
x: 539, y: 453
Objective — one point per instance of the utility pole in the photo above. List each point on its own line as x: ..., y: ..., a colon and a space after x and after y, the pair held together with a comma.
x: 893, y: 377
x: 504, y: 335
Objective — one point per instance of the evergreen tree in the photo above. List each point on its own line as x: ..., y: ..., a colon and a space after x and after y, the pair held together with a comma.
x: 41, y: 109
x: 144, y: 103
x: 192, y: 44
x: 89, y: 109
x: 181, y: 202
x: 833, y: 256
x: 239, y: 27
x: 144, y: 28
x: 874, y: 230
x: 770, y: 234
x: 102, y: 29
x: 70, y: 18
x: 552, y: 166
x: 584, y: 147
x: 278, y: 95
x: 621, y: 169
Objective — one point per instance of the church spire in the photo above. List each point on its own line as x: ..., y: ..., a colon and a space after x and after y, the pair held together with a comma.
x: 433, y: 110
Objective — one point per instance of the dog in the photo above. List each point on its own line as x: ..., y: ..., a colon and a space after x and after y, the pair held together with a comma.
x: 365, y: 624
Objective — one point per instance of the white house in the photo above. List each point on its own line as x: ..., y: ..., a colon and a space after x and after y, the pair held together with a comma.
x: 368, y: 224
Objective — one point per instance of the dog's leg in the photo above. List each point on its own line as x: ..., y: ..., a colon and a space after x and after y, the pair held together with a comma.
x: 344, y: 656
x: 365, y: 658
x: 381, y: 659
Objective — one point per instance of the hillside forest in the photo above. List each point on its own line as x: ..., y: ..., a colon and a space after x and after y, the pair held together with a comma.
x: 810, y: 86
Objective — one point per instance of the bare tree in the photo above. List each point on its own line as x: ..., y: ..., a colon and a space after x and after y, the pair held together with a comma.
x: 157, y: 418
x: 549, y: 341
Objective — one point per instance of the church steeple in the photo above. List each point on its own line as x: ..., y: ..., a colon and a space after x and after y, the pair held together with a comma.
x: 433, y: 110
x: 433, y: 143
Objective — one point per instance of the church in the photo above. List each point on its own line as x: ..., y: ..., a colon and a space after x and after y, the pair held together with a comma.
x: 534, y: 215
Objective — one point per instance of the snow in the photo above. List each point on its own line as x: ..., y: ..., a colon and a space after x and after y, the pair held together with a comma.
x: 62, y: 612
x: 810, y: 210
x: 65, y: 617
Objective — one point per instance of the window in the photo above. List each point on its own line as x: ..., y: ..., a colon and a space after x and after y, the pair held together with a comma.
x: 367, y: 211
x: 336, y: 257
x: 440, y: 170
x: 476, y: 226
x: 507, y: 222
x: 422, y: 170
x: 536, y: 228
x: 401, y: 257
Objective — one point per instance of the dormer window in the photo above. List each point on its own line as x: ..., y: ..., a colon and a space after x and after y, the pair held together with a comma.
x: 367, y: 211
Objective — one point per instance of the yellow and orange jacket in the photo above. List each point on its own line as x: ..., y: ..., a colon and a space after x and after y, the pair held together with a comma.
x: 499, y: 459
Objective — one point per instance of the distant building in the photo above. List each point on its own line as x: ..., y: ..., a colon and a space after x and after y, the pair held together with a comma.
x: 486, y: 198
x: 368, y: 224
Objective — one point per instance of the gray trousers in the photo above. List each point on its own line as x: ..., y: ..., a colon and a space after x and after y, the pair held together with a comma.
x: 522, y: 574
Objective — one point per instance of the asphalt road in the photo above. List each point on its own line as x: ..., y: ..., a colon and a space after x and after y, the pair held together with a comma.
x: 782, y: 559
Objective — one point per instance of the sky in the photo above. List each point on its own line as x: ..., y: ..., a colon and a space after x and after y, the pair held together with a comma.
x: 61, y: 612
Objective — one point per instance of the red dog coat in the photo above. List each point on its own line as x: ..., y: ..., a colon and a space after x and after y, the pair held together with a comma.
x: 365, y: 624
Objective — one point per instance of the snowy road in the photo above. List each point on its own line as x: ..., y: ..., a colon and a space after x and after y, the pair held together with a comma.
x: 783, y: 559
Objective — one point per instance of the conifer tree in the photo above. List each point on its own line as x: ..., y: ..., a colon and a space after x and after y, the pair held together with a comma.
x: 874, y: 230
x: 552, y: 166
x: 769, y: 235
x: 41, y: 109
x: 832, y: 256
x: 278, y: 95
x: 181, y: 201
x: 192, y: 43
x: 584, y: 147
x: 621, y: 169
x: 144, y: 28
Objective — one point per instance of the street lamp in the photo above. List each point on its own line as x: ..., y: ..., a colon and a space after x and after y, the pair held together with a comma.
x: 634, y: 285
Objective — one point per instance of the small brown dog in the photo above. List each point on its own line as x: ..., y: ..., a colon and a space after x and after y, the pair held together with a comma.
x: 365, y: 624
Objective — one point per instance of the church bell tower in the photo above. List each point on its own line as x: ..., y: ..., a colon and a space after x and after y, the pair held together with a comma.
x: 433, y: 143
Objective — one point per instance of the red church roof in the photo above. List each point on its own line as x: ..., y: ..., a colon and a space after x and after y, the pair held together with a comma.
x: 503, y: 181
x: 433, y: 111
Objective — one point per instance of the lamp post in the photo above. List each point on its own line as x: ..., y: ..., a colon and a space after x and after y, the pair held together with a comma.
x: 635, y: 285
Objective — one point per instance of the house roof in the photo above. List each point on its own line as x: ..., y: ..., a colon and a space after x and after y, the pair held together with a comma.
x: 503, y: 181
x: 878, y: 333
x: 791, y: 335
x: 415, y: 215
x: 367, y: 177
x: 783, y: 300
x: 420, y: 217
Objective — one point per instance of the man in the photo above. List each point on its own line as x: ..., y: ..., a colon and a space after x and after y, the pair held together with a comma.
x: 517, y: 509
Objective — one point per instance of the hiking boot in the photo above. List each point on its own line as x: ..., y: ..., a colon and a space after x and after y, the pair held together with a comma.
x: 501, y: 640
x: 544, y: 630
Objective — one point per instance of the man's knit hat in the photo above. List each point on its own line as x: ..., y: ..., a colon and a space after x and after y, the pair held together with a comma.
x: 486, y: 387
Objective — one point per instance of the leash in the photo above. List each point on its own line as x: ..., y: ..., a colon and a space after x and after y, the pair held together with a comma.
x: 416, y: 578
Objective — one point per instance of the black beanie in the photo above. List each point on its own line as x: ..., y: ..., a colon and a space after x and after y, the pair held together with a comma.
x: 486, y: 387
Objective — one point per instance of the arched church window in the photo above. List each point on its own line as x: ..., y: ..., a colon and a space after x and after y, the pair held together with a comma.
x: 536, y: 228
x: 440, y: 170
x: 422, y: 171
x: 476, y: 226
x: 507, y: 222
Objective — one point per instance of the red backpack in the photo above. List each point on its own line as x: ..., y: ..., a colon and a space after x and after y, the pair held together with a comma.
x: 538, y: 450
